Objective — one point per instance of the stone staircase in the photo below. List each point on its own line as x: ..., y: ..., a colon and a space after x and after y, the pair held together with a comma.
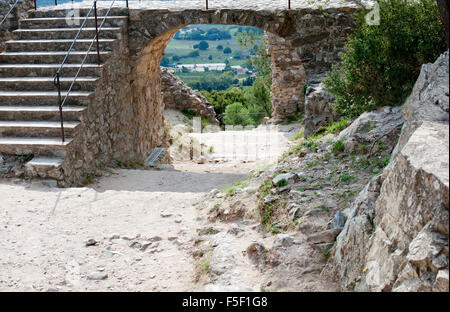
x: 29, y: 114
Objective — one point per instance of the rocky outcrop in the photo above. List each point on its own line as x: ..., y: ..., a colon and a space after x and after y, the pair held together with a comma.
x: 177, y: 95
x: 428, y: 100
x: 318, y: 112
x: 371, y: 127
x: 396, y: 234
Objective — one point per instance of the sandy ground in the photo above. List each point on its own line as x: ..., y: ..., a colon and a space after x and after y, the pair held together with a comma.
x: 141, y: 224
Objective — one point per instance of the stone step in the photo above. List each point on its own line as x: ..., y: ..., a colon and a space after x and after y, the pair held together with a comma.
x: 32, y: 128
x: 56, y: 45
x: 45, y: 162
x: 50, y: 113
x: 61, y: 22
x: 52, y: 11
x: 44, y: 57
x: 44, y: 167
x: 53, y: 147
x: 46, y: 83
x: 37, y: 98
x: 48, y: 70
x: 66, y: 33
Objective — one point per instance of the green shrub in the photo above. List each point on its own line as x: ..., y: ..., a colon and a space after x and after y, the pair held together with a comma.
x: 338, y: 147
x: 237, y: 114
x: 381, y: 62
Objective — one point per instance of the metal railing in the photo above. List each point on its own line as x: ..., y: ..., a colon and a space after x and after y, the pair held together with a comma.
x: 57, y: 76
x: 9, y: 12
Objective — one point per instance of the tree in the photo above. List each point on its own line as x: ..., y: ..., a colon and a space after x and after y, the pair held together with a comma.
x: 443, y: 11
x: 210, y: 57
x: 165, y: 61
x: 203, y: 45
x: 236, y: 114
x: 382, y: 62
x: 219, y: 47
x: 227, y: 50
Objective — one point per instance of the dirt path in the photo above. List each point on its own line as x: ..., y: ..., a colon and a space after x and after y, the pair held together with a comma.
x: 133, y: 230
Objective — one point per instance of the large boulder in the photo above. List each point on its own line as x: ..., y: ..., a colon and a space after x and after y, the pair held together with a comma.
x: 370, y: 127
x: 318, y: 112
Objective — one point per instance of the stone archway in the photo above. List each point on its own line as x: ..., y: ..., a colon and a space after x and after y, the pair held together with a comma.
x: 124, y: 116
x: 302, y: 44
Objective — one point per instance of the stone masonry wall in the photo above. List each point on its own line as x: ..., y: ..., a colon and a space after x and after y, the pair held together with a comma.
x: 117, y: 126
x: 12, y: 21
x: 288, y: 78
x: 177, y: 95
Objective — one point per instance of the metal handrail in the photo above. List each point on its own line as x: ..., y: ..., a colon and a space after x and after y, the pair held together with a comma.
x: 87, y: 53
x: 56, y: 80
x: 75, y: 39
x: 9, y: 12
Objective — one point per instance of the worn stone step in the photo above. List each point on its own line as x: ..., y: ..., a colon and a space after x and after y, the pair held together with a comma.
x: 36, y: 98
x: 45, y: 162
x: 46, y: 83
x: 65, y: 33
x: 61, y: 22
x: 52, y: 11
x: 48, y: 70
x: 53, y: 147
x: 56, y: 45
x: 50, y: 113
x: 33, y: 128
x: 44, y: 167
x: 52, y: 57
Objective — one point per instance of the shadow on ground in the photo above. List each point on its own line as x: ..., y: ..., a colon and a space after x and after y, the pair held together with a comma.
x: 167, y: 181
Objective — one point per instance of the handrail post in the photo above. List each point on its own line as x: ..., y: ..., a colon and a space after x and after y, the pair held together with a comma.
x: 58, y: 85
x: 127, y: 4
x: 207, y: 4
x: 35, y: 6
x: 96, y: 32
x: 56, y: 2
x: 289, y: 4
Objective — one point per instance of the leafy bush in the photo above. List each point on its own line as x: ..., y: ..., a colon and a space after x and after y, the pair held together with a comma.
x: 381, y: 62
x: 237, y: 114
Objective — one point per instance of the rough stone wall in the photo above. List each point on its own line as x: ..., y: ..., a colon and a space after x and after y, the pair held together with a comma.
x: 178, y: 96
x: 117, y: 126
x: 288, y: 78
x: 396, y: 235
x: 12, y: 21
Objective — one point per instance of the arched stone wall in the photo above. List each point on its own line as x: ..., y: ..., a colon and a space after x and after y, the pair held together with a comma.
x: 302, y: 43
x: 125, y: 121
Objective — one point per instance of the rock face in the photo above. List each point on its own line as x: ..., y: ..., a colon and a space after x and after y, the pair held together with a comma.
x: 317, y: 109
x: 371, y: 127
x: 396, y: 236
x: 178, y: 96
x: 428, y: 100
